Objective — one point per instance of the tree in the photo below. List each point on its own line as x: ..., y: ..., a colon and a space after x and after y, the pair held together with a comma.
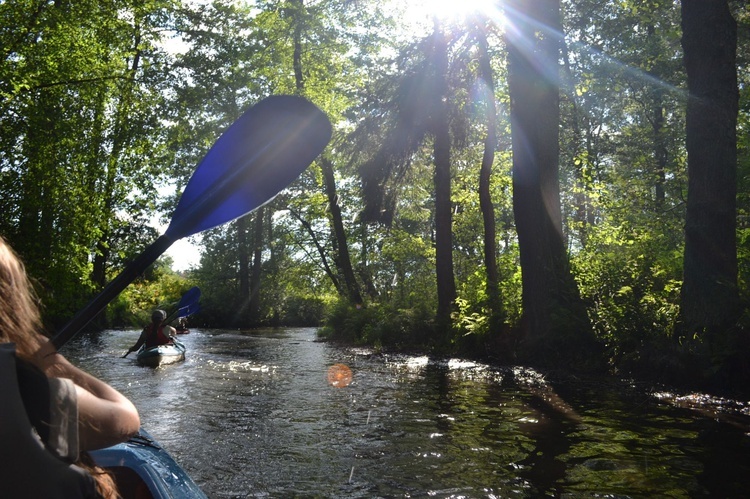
x: 485, y: 75
x: 709, y: 297
x: 216, y: 84
x: 554, y: 322
x: 77, y: 113
x: 340, y: 246
x: 415, y: 108
x: 438, y: 125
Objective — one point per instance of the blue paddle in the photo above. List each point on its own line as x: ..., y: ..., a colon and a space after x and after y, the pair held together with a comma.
x: 261, y: 153
x: 190, y: 310
x: 191, y: 296
x: 188, y: 303
x: 186, y: 312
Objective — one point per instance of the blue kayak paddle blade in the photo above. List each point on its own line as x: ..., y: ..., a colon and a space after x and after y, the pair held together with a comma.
x: 191, y: 309
x: 259, y: 155
x: 191, y: 296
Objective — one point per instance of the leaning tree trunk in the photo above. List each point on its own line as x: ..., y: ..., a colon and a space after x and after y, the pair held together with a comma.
x: 709, y: 296
x: 554, y: 323
x: 342, y: 258
x: 340, y: 245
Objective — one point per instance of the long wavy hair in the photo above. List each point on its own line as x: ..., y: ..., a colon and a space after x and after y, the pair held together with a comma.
x: 20, y: 323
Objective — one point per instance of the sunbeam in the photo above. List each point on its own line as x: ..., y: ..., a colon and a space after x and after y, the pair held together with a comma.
x: 447, y: 10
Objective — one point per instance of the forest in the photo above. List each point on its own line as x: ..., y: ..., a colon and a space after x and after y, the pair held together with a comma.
x: 563, y: 184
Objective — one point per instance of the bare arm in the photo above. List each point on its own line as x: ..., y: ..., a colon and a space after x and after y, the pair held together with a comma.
x: 105, y: 416
x: 170, y: 331
x: 141, y: 341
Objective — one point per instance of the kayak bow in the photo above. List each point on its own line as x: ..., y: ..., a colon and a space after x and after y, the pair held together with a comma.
x: 161, y: 354
x: 142, y: 468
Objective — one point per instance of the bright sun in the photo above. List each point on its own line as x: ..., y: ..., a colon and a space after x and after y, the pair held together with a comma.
x: 421, y: 11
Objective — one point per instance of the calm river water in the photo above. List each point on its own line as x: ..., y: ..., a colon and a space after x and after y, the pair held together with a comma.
x: 252, y: 414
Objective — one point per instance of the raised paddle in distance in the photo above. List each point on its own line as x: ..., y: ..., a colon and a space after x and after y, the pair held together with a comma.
x: 188, y: 311
x: 188, y: 303
x: 261, y: 153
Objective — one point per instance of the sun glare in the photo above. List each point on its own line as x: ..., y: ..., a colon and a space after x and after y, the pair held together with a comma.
x: 422, y: 11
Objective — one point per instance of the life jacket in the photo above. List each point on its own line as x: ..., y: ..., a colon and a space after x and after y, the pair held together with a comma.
x: 28, y: 469
x: 158, y: 338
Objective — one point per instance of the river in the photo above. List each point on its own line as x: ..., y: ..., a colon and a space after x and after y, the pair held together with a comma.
x: 253, y: 414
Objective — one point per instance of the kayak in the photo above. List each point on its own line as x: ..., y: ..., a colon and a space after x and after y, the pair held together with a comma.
x: 142, y: 468
x: 161, y: 354
x: 182, y: 331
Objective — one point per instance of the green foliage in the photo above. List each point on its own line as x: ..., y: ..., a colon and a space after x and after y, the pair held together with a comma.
x: 304, y: 311
x: 630, y: 279
x: 97, y: 121
x: 468, y: 320
x: 292, y: 292
x: 80, y: 93
x: 381, y: 326
x: 160, y: 288
x: 472, y: 315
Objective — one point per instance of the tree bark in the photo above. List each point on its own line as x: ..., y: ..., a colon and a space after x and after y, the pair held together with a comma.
x: 446, y: 286
x: 554, y: 322
x: 341, y: 257
x: 243, y: 260
x: 485, y: 174
x: 255, y: 270
x: 340, y: 246
x: 709, y: 295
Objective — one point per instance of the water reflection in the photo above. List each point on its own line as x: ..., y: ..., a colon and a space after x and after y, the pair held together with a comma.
x: 253, y: 414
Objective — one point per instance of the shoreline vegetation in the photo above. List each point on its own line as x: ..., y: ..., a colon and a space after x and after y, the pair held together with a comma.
x: 531, y: 182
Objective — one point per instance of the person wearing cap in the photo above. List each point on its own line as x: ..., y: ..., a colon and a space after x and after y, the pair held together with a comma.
x: 154, y: 334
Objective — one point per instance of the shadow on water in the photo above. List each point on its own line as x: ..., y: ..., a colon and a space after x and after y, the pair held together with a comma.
x: 251, y: 414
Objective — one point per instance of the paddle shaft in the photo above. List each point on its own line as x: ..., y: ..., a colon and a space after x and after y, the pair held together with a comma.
x: 110, y: 292
x: 251, y: 162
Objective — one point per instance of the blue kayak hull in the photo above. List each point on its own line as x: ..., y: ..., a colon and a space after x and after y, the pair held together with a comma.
x: 161, y: 355
x: 141, y: 465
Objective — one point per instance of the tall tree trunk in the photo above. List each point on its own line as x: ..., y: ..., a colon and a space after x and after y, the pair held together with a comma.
x: 341, y: 257
x: 243, y: 260
x: 709, y: 296
x: 661, y: 155
x: 340, y: 246
x: 656, y: 97
x: 446, y: 286
x: 485, y: 197
x: 364, y: 275
x: 554, y: 319
x: 255, y: 271
x: 121, y: 136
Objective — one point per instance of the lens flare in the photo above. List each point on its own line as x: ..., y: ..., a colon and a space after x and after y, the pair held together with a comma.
x: 339, y: 375
x: 421, y: 11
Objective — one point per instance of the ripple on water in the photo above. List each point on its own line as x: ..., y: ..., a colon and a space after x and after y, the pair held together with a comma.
x: 252, y: 414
